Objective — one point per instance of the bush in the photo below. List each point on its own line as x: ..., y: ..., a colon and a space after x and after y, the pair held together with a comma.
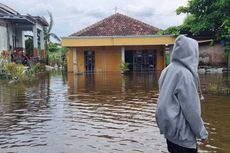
x: 15, y: 71
x: 124, y: 67
x: 39, y: 68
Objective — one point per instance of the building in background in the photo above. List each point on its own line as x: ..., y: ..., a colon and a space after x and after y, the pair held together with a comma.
x: 13, y: 26
x: 103, y: 46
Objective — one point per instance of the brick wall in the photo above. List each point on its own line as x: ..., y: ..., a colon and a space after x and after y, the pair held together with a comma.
x: 212, y: 55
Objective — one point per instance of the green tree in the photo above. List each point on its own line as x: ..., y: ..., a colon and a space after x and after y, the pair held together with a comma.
x: 47, y: 36
x: 175, y: 31
x: 53, y: 47
x: 205, y: 18
x: 29, y: 46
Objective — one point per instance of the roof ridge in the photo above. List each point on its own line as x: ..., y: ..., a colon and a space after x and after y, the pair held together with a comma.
x: 9, y: 9
x: 131, y: 19
x: 140, y: 21
x: 93, y: 25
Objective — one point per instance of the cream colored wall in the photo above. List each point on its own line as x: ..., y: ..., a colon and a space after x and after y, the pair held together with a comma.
x: 160, y: 59
x: 117, y: 41
x: 70, y: 60
x: 109, y: 58
x: 106, y: 58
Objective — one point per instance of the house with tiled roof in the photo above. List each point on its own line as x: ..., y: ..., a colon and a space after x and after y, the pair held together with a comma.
x: 13, y: 27
x: 103, y: 46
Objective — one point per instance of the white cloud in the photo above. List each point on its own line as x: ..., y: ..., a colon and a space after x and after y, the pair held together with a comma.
x: 72, y: 15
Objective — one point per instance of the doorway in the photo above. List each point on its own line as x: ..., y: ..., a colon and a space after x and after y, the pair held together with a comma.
x: 141, y: 60
x: 89, y: 61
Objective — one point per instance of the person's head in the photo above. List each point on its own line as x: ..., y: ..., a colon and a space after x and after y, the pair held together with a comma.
x: 186, y: 52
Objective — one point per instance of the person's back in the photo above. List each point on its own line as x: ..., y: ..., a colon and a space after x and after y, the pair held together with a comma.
x: 178, y: 107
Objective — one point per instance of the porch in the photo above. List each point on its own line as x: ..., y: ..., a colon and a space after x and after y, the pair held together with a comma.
x: 17, y: 26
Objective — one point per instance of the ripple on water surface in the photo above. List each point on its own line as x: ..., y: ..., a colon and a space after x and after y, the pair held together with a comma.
x: 100, y: 113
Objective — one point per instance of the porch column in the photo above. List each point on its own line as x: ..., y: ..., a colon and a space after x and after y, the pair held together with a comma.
x: 35, y: 40
x: 122, y: 54
x: 23, y: 41
x: 10, y: 36
x: 75, y: 66
x: 42, y: 44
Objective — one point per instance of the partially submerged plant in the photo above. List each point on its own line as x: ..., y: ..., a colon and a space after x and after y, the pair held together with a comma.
x: 14, y: 71
x: 124, y: 67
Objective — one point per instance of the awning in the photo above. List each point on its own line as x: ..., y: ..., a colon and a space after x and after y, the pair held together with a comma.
x: 18, y: 19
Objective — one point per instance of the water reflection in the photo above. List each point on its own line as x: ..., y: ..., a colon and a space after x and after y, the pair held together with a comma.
x: 216, y: 112
x: 96, y: 113
x: 112, y: 81
x: 119, y: 111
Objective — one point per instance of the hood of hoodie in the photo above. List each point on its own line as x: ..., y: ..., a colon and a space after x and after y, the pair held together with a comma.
x: 186, y: 52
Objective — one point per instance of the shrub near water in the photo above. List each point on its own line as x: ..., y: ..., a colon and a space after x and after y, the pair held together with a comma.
x: 124, y: 67
x: 39, y: 68
x: 14, y: 71
x: 34, y: 69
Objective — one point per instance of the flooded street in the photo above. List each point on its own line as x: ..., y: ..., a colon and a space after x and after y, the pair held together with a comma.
x: 101, y: 113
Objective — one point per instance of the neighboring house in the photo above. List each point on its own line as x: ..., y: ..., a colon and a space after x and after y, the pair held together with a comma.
x: 212, y: 55
x: 208, y: 55
x: 13, y: 25
x: 103, y: 46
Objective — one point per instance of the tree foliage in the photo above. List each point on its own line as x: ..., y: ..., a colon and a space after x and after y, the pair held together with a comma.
x: 50, y: 46
x: 207, y: 17
x: 175, y: 31
x: 56, y: 54
x: 29, y: 46
x: 53, y: 47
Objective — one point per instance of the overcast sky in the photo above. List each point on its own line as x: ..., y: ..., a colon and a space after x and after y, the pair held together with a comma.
x: 72, y: 15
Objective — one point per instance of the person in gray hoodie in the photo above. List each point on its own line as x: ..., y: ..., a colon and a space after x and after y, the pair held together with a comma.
x: 178, y: 112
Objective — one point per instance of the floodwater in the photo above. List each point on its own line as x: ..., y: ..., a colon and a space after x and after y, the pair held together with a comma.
x: 101, y: 113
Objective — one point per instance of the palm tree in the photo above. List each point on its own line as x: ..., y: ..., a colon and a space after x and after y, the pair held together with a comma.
x: 48, y: 34
x: 47, y: 31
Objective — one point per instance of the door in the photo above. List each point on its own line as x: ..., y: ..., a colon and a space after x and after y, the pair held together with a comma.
x: 89, y: 61
x: 144, y: 60
x: 152, y: 60
x: 138, y: 61
x: 129, y: 58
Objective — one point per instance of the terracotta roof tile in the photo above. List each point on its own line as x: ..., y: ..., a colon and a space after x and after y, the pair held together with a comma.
x: 118, y: 25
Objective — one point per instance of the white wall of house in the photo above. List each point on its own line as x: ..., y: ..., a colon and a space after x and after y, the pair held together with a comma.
x: 10, y: 33
x: 19, y: 39
x: 3, y: 36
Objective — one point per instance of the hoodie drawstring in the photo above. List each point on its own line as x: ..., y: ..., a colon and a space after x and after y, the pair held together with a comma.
x: 199, y: 86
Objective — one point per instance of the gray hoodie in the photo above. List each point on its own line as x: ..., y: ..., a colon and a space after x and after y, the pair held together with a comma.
x: 178, y: 113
